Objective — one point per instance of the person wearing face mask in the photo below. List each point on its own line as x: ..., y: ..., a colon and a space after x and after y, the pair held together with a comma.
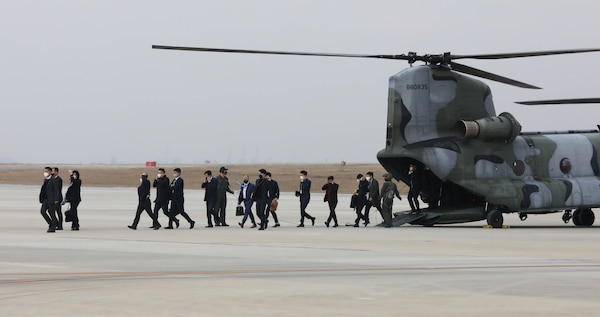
x: 210, y: 197
x: 304, y: 194
x: 260, y: 196
x: 246, y: 192
x: 144, y: 203
x: 177, y: 200
x: 163, y: 195
x: 45, y: 209
x: 272, y: 197
x: 222, y: 190
x: 331, y: 198
x: 55, y: 197
x: 372, y: 197
x: 361, y: 198
x: 73, y: 196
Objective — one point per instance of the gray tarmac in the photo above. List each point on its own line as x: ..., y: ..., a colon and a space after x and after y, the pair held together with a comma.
x: 541, y: 267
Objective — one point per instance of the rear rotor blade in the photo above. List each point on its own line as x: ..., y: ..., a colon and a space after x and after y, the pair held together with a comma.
x: 224, y: 50
x: 559, y: 101
x: 525, y: 54
x: 483, y: 74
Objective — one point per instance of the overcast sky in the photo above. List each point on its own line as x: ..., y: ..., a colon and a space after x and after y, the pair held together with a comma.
x: 79, y: 82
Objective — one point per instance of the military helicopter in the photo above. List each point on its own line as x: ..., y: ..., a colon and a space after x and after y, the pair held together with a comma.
x: 476, y: 165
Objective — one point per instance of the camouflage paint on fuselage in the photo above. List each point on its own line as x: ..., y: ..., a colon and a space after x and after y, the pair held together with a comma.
x: 534, y: 172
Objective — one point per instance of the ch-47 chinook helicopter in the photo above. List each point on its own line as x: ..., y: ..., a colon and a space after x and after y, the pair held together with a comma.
x: 476, y: 165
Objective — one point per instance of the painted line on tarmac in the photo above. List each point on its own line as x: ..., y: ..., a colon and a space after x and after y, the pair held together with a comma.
x: 113, y: 275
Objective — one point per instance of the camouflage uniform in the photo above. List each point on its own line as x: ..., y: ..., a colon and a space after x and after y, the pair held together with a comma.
x: 388, y: 191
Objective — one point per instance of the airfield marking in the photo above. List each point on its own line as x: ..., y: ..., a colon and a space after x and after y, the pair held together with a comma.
x: 110, y: 275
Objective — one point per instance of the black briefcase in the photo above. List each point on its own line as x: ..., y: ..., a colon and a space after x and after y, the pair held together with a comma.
x: 239, y: 211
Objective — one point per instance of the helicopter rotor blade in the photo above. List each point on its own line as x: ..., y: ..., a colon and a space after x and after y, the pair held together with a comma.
x: 559, y: 101
x: 224, y: 50
x: 525, y: 54
x: 483, y: 74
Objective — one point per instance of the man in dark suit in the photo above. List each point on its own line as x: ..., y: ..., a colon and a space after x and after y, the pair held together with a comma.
x: 210, y: 197
x: 144, y: 203
x: 304, y: 194
x: 177, y: 200
x: 163, y: 195
x: 361, y: 198
x: 246, y: 192
x: 44, y: 196
x: 331, y: 197
x: 260, y: 196
x: 73, y: 197
x: 372, y: 197
x: 55, y: 198
x: 414, y: 176
x: 272, y: 197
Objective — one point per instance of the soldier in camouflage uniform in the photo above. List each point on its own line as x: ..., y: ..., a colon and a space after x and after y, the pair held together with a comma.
x: 388, y: 191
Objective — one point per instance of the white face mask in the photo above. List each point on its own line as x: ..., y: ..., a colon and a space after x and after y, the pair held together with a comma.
x: 174, y: 175
x: 368, y: 178
x: 46, y: 174
x: 74, y: 176
x: 140, y: 180
x: 358, y: 180
x: 159, y: 175
x: 301, y: 178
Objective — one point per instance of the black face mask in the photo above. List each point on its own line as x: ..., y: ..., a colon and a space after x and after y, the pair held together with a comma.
x: 144, y: 176
x: 245, y: 182
x: 260, y: 176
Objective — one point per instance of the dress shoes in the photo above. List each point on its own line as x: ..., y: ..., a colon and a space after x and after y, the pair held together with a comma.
x: 192, y: 224
x: 176, y: 223
x: 300, y: 225
x: 209, y: 226
x: 241, y: 225
x: 169, y: 227
x: 313, y: 221
x: 253, y: 226
x: 327, y: 224
x: 156, y: 227
x: 356, y: 225
x: 51, y: 230
x: 130, y: 227
x: 151, y: 227
x: 335, y: 225
x: 276, y: 225
x: 59, y: 228
x: 224, y: 225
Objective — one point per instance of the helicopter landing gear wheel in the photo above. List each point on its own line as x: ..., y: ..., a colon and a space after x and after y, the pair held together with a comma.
x: 583, y: 217
x: 522, y: 216
x: 495, y: 218
x: 567, y: 216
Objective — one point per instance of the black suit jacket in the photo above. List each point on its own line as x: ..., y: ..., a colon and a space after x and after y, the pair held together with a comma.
x: 374, y: 190
x: 144, y: 190
x: 163, y: 190
x: 74, y: 191
x: 272, y: 190
x: 210, y: 190
x: 177, y: 191
x: 43, y: 191
x: 305, y: 190
x: 363, y: 188
x: 54, y: 190
x: 331, y: 192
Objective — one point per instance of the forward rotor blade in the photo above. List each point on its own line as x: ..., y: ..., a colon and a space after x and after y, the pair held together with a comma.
x: 526, y: 54
x: 483, y: 74
x: 224, y: 50
x: 559, y: 101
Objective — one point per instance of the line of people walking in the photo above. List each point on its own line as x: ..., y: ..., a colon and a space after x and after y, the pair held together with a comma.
x: 52, y: 199
x: 263, y: 193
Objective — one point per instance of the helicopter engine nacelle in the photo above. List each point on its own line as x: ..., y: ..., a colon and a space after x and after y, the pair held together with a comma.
x: 503, y: 128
